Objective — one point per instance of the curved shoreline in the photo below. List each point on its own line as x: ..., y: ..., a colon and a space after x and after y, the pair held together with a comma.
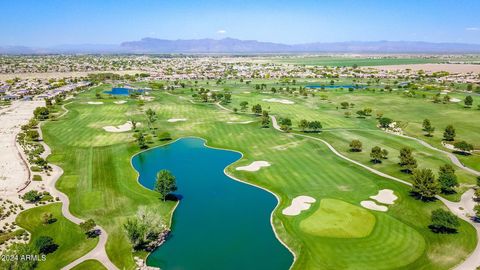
x: 205, y: 141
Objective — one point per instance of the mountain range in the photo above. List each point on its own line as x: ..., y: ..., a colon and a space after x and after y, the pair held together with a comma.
x: 231, y: 45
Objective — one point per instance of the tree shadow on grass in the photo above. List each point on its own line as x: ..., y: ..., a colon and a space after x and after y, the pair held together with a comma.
x: 418, y: 196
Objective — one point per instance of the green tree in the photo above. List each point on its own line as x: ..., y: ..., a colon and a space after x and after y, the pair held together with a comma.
x: 407, y: 161
x: 447, y: 178
x: 468, y: 101
x: 88, y: 227
x: 243, y: 105
x: 47, y: 218
x: 384, y: 153
x: 427, y: 127
x: 32, y: 196
x: 257, y: 109
x: 443, y: 221
x: 41, y: 113
x: 303, y: 125
x: 344, y: 105
x: 265, y: 119
x: 376, y: 154
x: 355, y: 146
x: 141, y: 141
x: 385, y: 122
x: 464, y: 147
x: 425, y: 186
x: 315, y: 126
x: 285, y: 124
x: 151, y: 117
x: 165, y: 183
x: 45, y: 245
x: 449, y: 133
x: 164, y: 136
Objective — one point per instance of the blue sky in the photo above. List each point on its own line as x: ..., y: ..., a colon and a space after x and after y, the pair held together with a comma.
x: 53, y: 22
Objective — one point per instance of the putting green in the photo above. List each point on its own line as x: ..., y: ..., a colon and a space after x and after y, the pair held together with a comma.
x: 339, y: 219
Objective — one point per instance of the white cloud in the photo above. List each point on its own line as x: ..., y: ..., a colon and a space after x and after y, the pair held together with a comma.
x: 222, y: 32
x: 472, y: 29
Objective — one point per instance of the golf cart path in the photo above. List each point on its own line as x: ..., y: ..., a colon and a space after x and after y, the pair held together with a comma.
x: 98, y: 253
x: 463, y: 209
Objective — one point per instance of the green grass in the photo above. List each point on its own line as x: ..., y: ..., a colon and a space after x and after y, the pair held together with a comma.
x: 71, y: 240
x: 90, y: 265
x: 102, y: 185
x: 338, y: 219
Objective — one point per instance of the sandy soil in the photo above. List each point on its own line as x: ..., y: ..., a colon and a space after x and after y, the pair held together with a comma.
x: 254, y: 166
x: 299, y: 204
x: 173, y: 120
x: 120, y: 102
x: 95, y: 102
x: 13, y: 173
x: 373, y: 206
x: 51, y: 75
x: 455, y: 100
x: 278, y: 100
x: 121, y: 128
x: 385, y: 196
x: 452, y: 68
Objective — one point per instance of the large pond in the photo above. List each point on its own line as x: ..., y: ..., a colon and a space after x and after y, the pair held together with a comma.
x: 120, y: 91
x: 220, y: 223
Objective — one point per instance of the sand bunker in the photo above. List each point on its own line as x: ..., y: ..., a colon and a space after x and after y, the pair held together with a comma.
x: 173, y: 120
x: 455, y: 100
x: 278, y: 100
x: 299, y: 204
x: 95, y: 102
x: 373, y: 206
x: 121, y: 128
x: 385, y: 196
x: 120, y: 102
x: 254, y: 166
x: 244, y: 122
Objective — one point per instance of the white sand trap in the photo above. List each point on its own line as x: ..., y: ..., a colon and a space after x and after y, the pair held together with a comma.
x: 120, y: 102
x: 173, y: 120
x: 95, y: 102
x: 244, y: 122
x: 278, y: 100
x: 455, y: 100
x: 385, y: 196
x: 254, y: 166
x: 373, y: 206
x: 121, y: 128
x: 247, y: 92
x: 299, y: 204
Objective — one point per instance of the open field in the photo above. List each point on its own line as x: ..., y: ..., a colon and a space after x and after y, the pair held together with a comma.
x: 102, y: 185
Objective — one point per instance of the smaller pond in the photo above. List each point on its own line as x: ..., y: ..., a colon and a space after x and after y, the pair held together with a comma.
x: 334, y: 86
x: 120, y: 91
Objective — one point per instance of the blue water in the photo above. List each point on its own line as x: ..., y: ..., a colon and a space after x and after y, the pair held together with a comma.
x: 122, y: 91
x: 220, y: 223
x: 334, y: 86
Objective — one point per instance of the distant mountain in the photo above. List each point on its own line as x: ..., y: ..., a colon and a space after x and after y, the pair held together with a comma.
x: 231, y: 45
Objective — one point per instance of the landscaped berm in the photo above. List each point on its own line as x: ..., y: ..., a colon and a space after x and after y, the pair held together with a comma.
x: 338, y: 204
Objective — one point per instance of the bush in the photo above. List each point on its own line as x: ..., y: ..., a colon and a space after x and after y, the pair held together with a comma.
x: 32, y: 196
